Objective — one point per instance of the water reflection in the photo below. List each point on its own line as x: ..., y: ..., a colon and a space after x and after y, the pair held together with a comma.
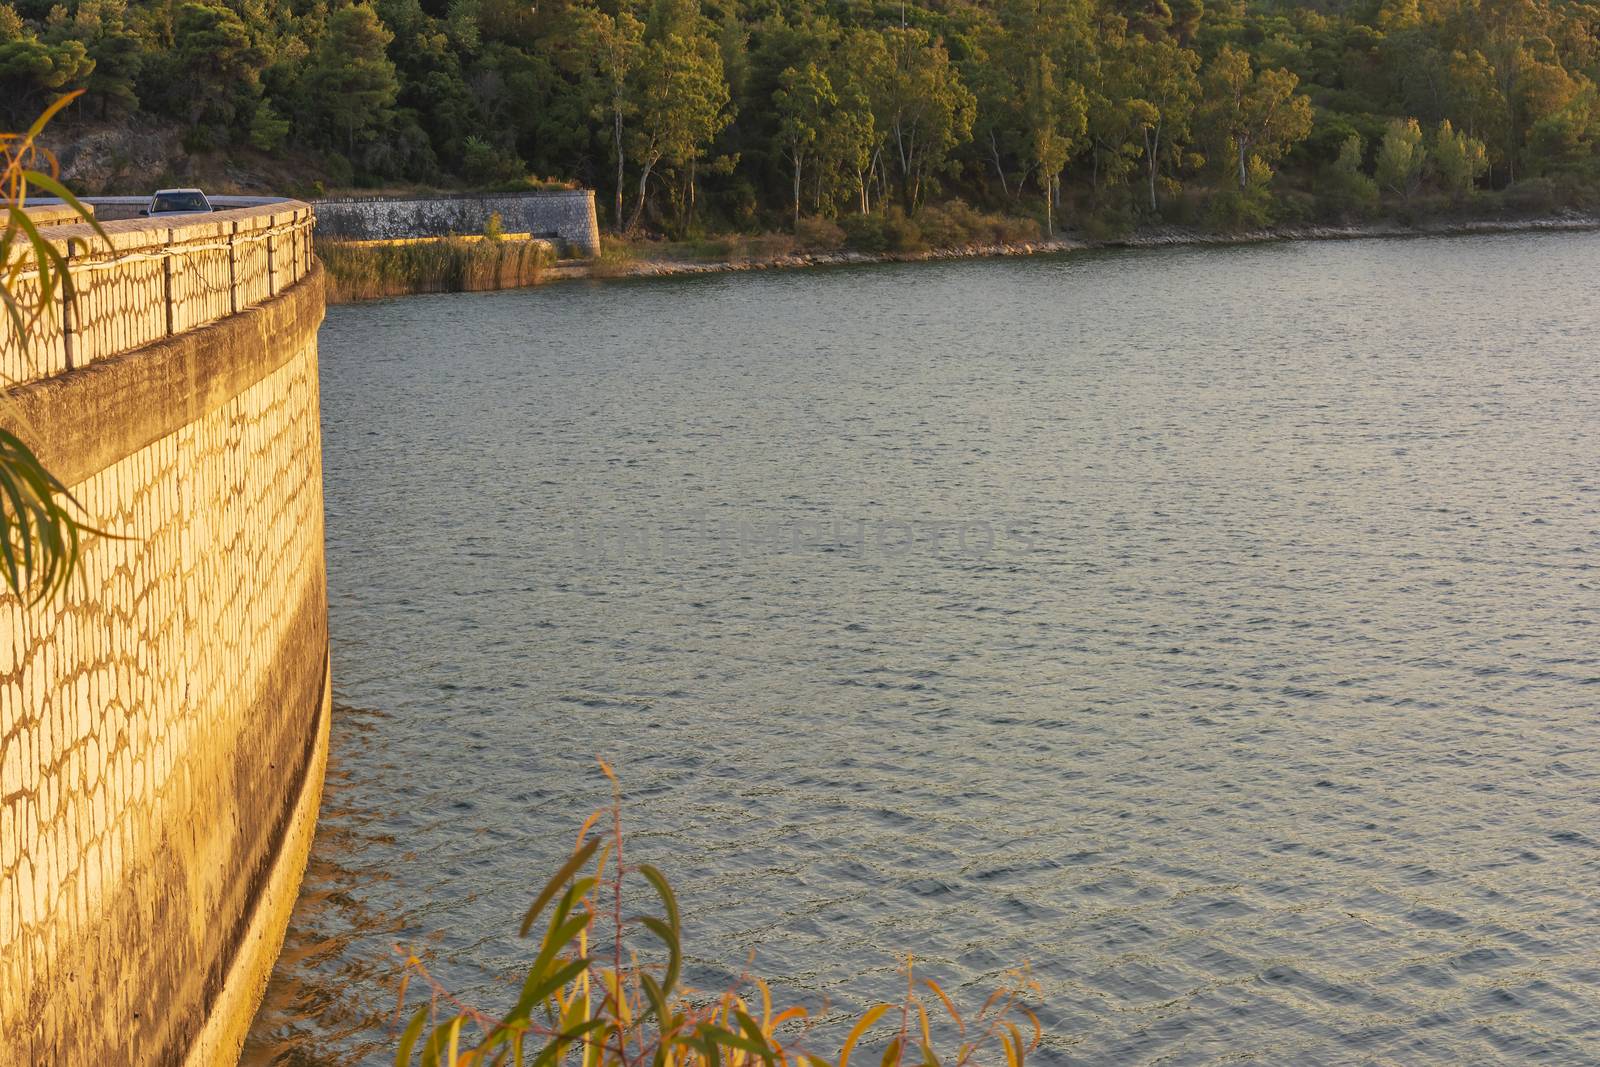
x: 329, y: 999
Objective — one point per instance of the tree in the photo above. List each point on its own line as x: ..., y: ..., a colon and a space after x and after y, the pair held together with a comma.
x: 1166, y: 103
x: 1459, y: 159
x: 1039, y: 43
x: 352, y: 78
x: 1256, y: 116
x: 218, y: 75
x: 1343, y: 185
x: 804, y: 102
x: 31, y: 69
x: 617, y: 44
x: 116, y: 50
x: 1058, y: 115
x: 860, y: 71
x: 1402, y: 157
x: 997, y: 127
x: 922, y: 107
x: 681, y: 96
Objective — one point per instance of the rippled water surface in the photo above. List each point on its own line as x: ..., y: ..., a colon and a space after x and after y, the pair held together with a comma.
x: 1213, y: 629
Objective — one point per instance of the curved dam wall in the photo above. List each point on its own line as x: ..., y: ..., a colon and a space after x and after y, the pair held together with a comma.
x: 164, y: 722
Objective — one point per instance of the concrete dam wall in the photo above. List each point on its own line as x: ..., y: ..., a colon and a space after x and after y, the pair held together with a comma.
x: 563, y: 214
x: 164, y: 722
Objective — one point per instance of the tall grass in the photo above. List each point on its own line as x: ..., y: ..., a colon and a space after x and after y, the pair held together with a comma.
x: 368, y: 270
x: 603, y: 991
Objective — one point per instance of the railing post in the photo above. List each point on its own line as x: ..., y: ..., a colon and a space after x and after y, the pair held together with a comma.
x: 233, y: 270
x: 166, y: 283
x: 272, y: 263
x: 68, y: 319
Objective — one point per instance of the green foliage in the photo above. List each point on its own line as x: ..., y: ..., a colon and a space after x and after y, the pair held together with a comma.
x: 682, y: 94
x: 889, y: 230
x: 213, y: 75
x: 605, y: 989
x: 485, y: 164
x: 805, y: 103
x: 1402, y: 158
x: 32, y: 68
x: 1460, y: 160
x: 1235, y: 210
x: 351, y: 81
x: 267, y: 128
x: 1346, y: 191
x: 1564, y: 141
x: 39, y: 535
x: 1253, y: 117
x: 693, y: 116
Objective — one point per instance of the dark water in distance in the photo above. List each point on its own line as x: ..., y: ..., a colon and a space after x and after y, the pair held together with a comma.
x: 1213, y: 629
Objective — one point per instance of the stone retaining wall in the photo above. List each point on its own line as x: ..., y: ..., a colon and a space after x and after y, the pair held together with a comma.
x: 565, y: 214
x: 163, y: 724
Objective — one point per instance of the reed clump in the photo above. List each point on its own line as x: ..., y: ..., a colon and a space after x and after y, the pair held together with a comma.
x: 367, y: 270
x: 604, y: 991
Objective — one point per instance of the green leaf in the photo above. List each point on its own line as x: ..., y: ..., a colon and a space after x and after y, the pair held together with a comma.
x: 533, y: 994
x: 552, y: 887
x: 729, y: 1039
x: 408, y: 1039
x: 664, y: 891
x: 43, y: 253
x: 658, y: 1001
x: 444, y: 1037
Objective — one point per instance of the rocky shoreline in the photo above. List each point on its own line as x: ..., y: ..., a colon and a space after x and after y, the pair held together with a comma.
x: 1167, y: 237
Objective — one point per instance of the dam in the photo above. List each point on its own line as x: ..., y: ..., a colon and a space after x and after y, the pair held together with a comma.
x: 164, y: 720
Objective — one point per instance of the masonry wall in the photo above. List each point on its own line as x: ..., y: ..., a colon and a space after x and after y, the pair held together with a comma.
x: 163, y: 724
x: 566, y: 214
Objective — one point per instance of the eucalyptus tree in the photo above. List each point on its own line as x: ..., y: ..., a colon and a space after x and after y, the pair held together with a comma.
x: 1043, y: 44
x: 998, y: 131
x: 860, y: 70
x: 922, y: 107
x: 1113, y: 83
x: 681, y: 95
x: 1169, y: 90
x: 616, y: 42
x: 1257, y: 116
x: 805, y: 101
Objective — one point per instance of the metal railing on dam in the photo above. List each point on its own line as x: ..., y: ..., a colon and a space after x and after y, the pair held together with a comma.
x: 151, y: 278
x: 164, y: 720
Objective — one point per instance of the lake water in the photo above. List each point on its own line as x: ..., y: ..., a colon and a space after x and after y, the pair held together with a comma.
x: 1213, y: 629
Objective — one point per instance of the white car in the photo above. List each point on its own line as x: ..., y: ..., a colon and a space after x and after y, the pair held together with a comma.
x: 177, y: 202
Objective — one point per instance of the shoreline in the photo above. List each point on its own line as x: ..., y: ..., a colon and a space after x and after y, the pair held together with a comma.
x: 1167, y: 237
